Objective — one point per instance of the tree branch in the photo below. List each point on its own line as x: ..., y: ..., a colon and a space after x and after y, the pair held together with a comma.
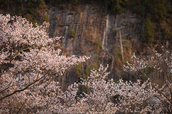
x: 17, y: 91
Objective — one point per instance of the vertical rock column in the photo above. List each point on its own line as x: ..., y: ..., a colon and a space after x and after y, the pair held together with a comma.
x: 105, y: 34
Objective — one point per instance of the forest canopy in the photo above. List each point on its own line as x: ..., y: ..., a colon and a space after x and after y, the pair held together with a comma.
x: 158, y: 8
x: 151, y: 12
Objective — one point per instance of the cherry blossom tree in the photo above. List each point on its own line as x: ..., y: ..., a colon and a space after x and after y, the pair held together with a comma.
x: 29, y: 65
x: 106, y: 96
x: 160, y: 64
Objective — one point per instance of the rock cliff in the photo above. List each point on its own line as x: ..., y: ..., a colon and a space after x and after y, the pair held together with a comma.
x: 91, y: 30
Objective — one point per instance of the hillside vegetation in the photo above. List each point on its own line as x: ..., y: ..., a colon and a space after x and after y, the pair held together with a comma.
x: 155, y: 14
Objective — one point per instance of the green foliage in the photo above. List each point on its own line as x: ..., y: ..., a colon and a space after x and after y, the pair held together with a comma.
x: 125, y: 60
x: 30, y: 6
x: 117, y: 53
x: 80, y: 72
x: 78, y: 69
x: 34, y: 22
x: 116, y: 81
x: 41, y: 4
x: 72, y: 33
x: 117, y: 6
x: 117, y: 57
x: 168, y: 34
x: 148, y: 70
x: 149, y: 30
x: 95, y: 66
x: 98, y: 44
x: 84, y: 89
x: 28, y: 16
x: 74, y: 1
x: 138, y: 6
x: 87, y: 72
x: 160, y: 9
x: 96, y: 58
x: 125, y: 41
x: 19, y: 10
x: 3, y: 3
x: 89, y: 37
x: 45, y: 18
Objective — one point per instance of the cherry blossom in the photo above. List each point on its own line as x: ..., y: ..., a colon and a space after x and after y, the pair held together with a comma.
x: 29, y: 64
x: 161, y: 64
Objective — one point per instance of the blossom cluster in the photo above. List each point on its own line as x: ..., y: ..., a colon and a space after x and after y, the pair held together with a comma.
x: 137, y: 64
x: 28, y: 64
x: 122, y: 97
x: 160, y: 63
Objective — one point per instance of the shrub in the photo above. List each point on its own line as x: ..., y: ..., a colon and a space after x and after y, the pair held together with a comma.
x: 78, y: 69
x: 34, y: 22
x: 28, y: 16
x: 72, y: 33
x: 45, y: 18
x: 168, y: 34
x: 149, y: 30
x: 98, y: 44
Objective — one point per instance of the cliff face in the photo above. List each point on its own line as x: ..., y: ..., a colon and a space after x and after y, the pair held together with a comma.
x: 87, y: 23
x: 92, y: 23
x: 90, y: 30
